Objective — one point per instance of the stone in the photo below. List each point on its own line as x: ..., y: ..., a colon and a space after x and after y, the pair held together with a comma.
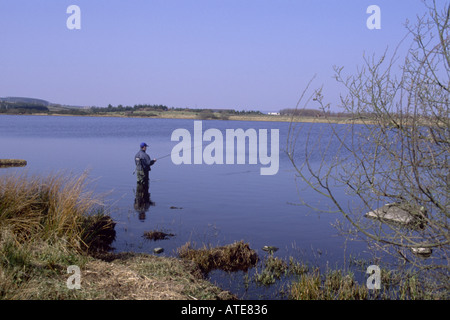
x: 270, y: 249
x: 423, y: 252
x: 393, y: 212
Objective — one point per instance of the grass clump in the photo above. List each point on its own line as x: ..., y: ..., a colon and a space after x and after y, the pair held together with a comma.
x: 50, y: 208
x: 233, y: 257
x: 341, y: 285
x: 156, y: 235
x: 334, y: 285
x: 274, y: 268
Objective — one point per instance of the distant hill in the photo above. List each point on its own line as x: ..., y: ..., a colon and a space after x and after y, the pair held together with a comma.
x: 23, y: 101
x: 34, y: 103
x: 26, y: 105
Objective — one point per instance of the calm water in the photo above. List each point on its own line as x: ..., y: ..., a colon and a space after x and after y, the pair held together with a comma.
x: 220, y: 203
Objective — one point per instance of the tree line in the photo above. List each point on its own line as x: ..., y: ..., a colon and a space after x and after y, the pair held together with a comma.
x: 7, y: 107
x: 313, y: 113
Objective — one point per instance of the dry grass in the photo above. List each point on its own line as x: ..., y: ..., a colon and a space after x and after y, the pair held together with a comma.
x: 49, y: 208
x: 181, y: 276
x: 146, y: 277
x: 233, y: 257
x: 39, y: 271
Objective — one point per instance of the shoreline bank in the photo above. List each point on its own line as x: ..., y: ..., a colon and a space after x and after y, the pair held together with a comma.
x: 260, y: 118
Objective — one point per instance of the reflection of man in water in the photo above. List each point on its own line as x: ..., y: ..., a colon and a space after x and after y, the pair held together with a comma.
x: 142, y: 201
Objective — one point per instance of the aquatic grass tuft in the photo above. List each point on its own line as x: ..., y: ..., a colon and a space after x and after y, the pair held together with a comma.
x: 274, y: 268
x: 233, y: 257
x: 156, y: 235
x: 333, y: 285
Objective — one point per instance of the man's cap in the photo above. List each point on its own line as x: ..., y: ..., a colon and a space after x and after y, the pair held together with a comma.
x: 143, y: 144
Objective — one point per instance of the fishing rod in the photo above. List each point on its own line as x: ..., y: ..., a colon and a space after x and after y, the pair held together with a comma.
x: 168, y: 155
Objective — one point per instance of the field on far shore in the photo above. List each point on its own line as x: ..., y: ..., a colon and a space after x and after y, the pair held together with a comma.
x: 212, y: 116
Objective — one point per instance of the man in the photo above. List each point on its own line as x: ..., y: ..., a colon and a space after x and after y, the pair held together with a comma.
x: 143, y: 164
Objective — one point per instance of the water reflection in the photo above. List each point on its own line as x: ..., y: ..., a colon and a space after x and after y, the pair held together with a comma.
x: 142, y: 200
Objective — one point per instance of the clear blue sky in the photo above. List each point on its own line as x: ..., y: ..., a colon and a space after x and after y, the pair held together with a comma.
x: 239, y: 54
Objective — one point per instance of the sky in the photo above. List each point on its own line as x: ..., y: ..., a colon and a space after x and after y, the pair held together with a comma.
x: 236, y: 54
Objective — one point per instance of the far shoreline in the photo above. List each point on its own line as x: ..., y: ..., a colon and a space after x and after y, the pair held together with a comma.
x: 259, y: 118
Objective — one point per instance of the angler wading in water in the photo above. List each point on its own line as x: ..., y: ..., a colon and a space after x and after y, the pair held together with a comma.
x: 143, y: 165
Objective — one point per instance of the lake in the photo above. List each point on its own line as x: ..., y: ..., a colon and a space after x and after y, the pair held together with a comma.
x: 215, y: 204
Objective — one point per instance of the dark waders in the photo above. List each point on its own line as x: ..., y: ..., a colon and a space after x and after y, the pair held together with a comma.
x: 142, y: 177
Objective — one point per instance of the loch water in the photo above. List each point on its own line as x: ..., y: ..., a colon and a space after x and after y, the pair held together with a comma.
x: 204, y: 204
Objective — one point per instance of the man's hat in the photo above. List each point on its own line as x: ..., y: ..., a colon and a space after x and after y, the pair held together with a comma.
x: 143, y: 144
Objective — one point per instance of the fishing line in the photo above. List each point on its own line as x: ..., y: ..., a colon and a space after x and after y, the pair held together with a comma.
x: 167, y: 155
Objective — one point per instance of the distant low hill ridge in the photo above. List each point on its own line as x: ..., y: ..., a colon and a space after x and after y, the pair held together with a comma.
x: 27, y: 105
x: 23, y: 100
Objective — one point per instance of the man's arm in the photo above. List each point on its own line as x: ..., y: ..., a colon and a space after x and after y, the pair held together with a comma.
x: 148, y: 161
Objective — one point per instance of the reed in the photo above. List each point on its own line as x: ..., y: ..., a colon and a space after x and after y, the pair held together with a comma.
x: 333, y: 285
x: 51, y: 208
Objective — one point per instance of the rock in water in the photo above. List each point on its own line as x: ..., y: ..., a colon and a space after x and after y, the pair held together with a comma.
x: 158, y: 250
x: 270, y: 249
x: 422, y: 252
x: 396, y: 212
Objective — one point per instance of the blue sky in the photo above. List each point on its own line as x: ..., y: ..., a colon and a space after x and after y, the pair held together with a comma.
x: 239, y: 54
